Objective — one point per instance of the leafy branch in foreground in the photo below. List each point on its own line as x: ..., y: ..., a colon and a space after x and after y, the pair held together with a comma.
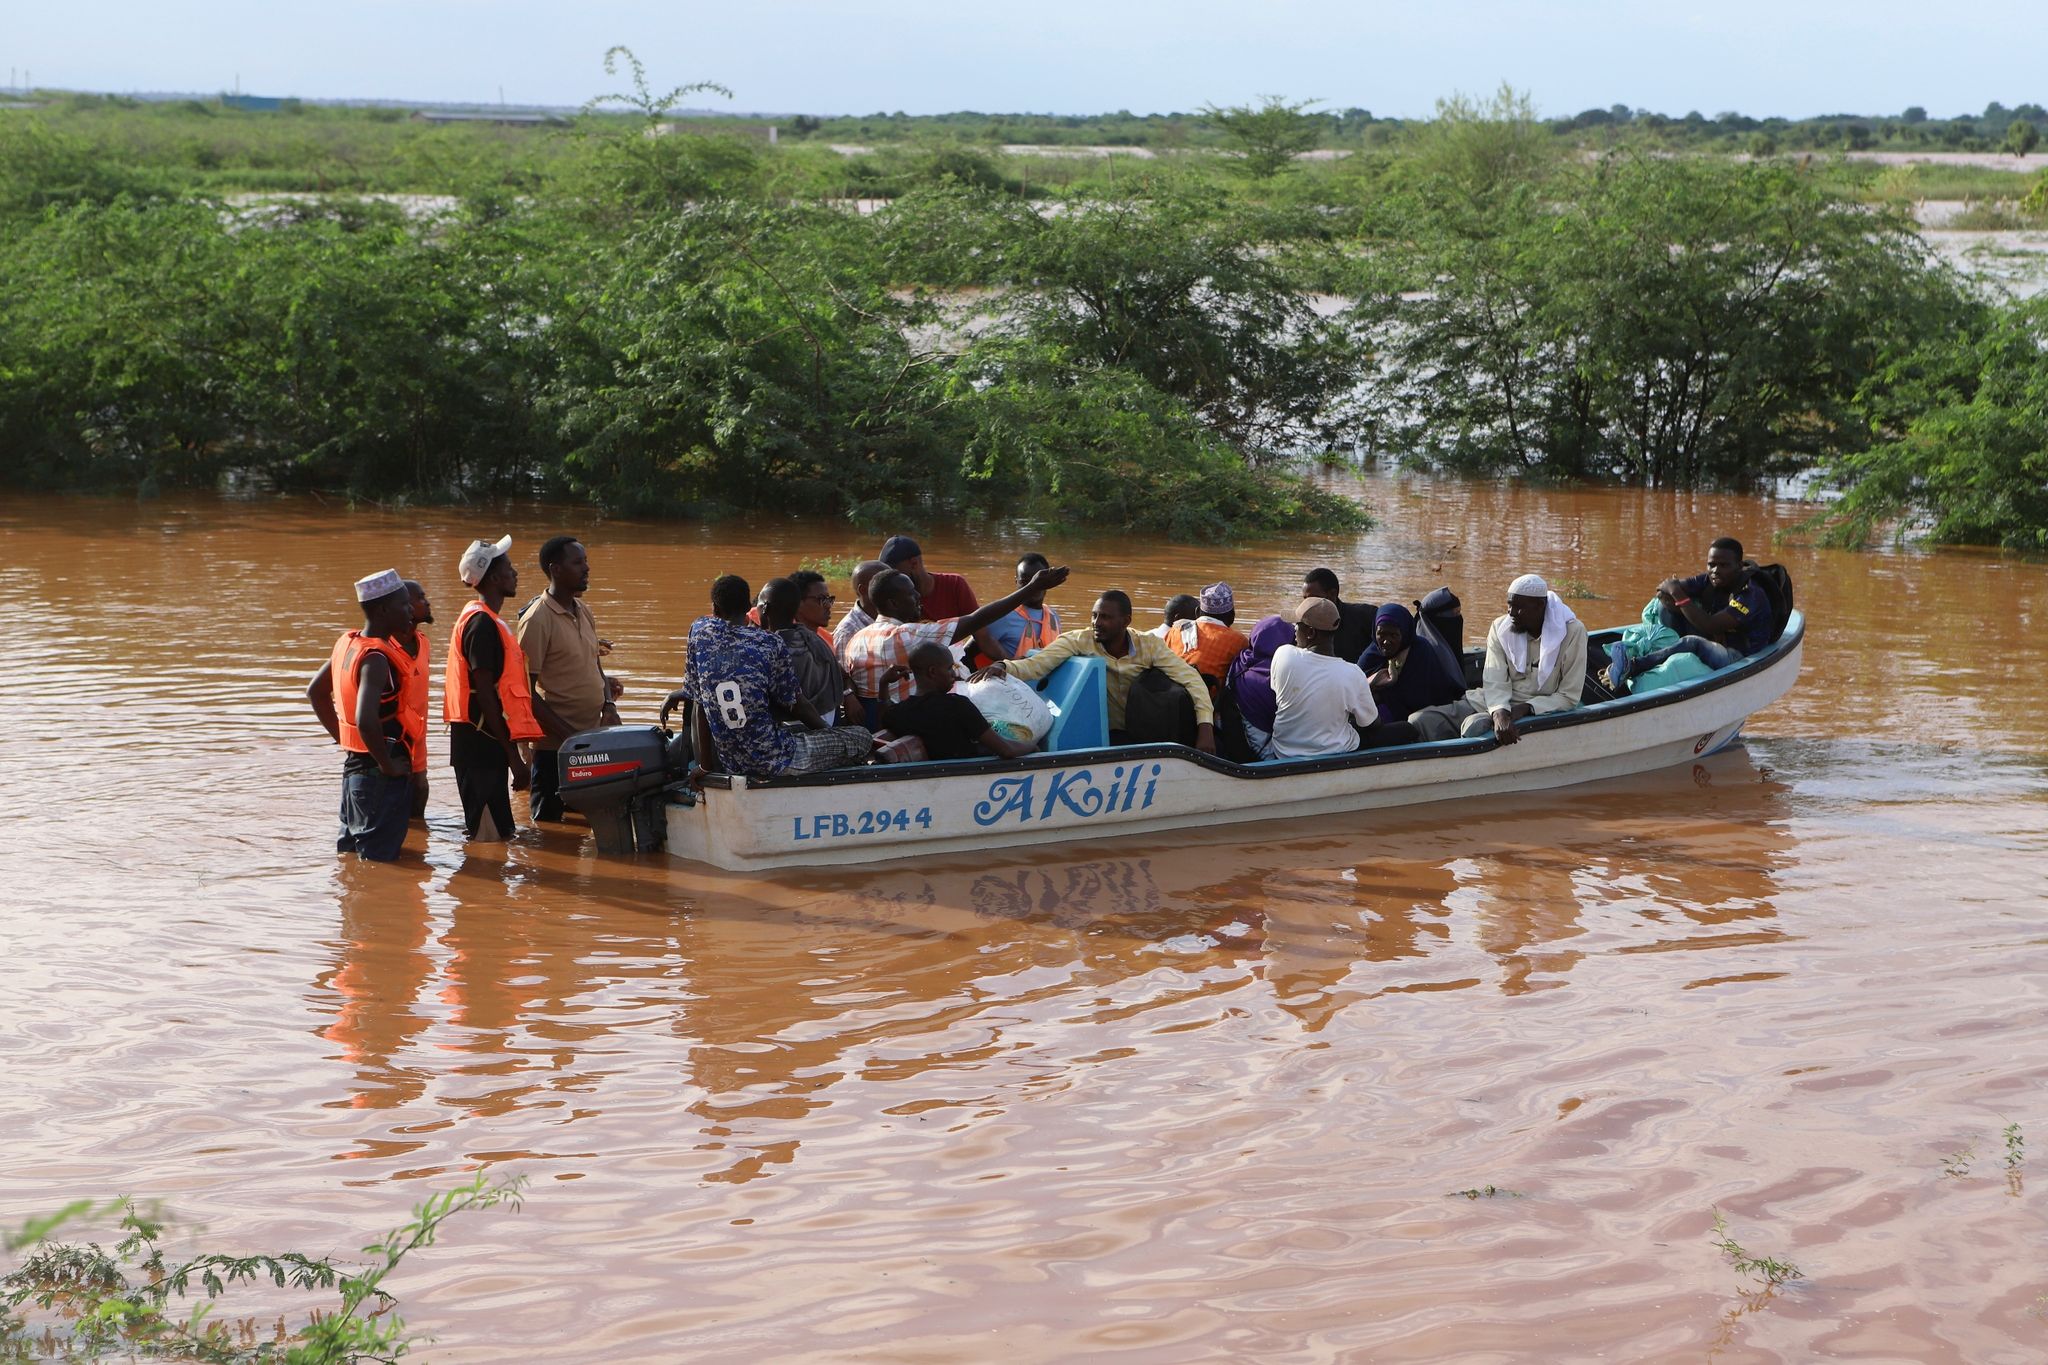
x: 1769, y: 1269
x: 132, y: 1302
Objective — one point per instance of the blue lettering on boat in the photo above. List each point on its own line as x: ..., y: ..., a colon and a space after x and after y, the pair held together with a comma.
x: 1081, y: 791
x: 1005, y: 794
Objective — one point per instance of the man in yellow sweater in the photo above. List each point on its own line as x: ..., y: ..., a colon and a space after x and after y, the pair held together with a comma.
x: 1109, y: 637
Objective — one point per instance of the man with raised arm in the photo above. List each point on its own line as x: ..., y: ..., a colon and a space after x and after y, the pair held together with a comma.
x: 879, y: 656
x: 1127, y: 653
x: 1535, y: 666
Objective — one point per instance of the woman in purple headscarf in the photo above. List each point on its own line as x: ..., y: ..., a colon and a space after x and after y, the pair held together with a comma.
x: 1404, y: 677
x: 1251, y: 680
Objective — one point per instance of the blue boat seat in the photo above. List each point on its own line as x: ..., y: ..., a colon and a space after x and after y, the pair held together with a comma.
x: 1079, y: 690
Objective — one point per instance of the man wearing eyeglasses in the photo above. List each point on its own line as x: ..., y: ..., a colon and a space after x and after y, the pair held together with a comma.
x: 798, y: 609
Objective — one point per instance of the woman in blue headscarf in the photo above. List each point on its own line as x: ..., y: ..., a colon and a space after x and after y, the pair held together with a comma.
x: 1251, y: 679
x: 1405, y: 677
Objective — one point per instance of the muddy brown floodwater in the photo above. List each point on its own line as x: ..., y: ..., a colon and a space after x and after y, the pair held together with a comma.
x: 1163, y: 1100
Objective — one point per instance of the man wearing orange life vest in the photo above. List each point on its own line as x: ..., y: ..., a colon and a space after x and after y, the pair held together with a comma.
x: 484, y: 695
x: 415, y: 691
x: 359, y: 698
x: 1212, y: 641
x: 1033, y: 625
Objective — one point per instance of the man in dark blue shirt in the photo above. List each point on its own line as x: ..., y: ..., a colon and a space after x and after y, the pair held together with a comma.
x: 1723, y: 615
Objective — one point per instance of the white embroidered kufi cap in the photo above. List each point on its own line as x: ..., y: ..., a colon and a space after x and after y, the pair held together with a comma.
x: 378, y: 585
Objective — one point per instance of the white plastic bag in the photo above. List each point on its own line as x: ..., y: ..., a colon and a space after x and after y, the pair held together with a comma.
x: 1011, y: 707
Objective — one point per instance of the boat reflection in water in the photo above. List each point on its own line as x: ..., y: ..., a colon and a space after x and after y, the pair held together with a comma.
x: 785, y: 993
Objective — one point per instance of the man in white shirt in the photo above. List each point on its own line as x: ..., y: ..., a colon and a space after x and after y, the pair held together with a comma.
x: 1324, y: 701
x: 1535, y: 666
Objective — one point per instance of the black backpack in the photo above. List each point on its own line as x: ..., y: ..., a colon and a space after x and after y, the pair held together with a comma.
x: 1158, y: 710
x: 1777, y: 586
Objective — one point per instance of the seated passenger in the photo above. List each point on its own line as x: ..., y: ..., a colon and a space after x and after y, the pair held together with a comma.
x: 735, y: 676
x: 1323, y: 704
x: 940, y: 596
x: 1354, y: 619
x: 1179, y: 607
x: 1033, y: 625
x: 1722, y: 615
x: 1404, y: 678
x: 862, y: 613
x: 1211, y: 642
x: 1250, y: 680
x: 949, y: 725
x: 818, y: 673
x: 1535, y: 665
x: 1127, y: 654
x: 883, y: 646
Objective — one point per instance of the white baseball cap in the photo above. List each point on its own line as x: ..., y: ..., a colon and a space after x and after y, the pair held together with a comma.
x: 476, y: 560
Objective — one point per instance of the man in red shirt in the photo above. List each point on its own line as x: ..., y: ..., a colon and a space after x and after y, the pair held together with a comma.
x: 945, y: 595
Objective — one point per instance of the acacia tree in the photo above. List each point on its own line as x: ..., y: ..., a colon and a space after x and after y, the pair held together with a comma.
x: 1266, y: 137
x: 2021, y: 137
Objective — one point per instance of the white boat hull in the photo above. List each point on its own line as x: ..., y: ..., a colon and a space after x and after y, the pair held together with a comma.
x: 877, y: 814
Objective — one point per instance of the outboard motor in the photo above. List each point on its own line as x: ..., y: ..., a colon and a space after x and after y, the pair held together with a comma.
x: 619, y: 778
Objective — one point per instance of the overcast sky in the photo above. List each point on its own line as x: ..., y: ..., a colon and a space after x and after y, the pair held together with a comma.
x: 1790, y: 57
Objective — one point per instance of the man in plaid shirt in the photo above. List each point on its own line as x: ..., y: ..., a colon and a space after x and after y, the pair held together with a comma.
x: 878, y: 658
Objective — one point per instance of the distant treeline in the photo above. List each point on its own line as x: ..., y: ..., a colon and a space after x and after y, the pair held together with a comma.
x: 662, y: 320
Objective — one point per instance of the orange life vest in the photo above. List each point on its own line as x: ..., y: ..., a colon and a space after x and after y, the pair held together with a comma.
x: 349, y: 652
x: 1037, y: 634
x: 1209, y: 645
x: 513, y: 696
x: 412, y: 698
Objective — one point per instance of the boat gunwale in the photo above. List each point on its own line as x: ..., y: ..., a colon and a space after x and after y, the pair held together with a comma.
x: 1756, y: 664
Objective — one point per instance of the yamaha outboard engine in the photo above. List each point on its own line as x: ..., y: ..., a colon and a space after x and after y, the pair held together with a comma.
x: 619, y: 778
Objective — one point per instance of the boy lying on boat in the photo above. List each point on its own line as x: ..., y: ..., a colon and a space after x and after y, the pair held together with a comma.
x: 1721, y: 616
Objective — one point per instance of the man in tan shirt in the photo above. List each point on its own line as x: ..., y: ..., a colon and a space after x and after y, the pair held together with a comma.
x: 570, y: 690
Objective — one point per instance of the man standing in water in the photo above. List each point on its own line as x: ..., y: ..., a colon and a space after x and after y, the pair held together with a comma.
x: 412, y: 689
x: 358, y: 697
x: 415, y: 691
x: 484, y: 695
x: 570, y: 691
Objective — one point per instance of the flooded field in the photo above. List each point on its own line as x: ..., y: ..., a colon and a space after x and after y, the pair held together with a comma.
x: 1466, y: 1083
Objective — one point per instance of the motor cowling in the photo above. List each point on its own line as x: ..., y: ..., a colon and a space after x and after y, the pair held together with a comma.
x: 617, y: 778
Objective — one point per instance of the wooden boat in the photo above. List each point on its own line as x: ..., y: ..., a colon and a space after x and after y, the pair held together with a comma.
x: 1082, y: 788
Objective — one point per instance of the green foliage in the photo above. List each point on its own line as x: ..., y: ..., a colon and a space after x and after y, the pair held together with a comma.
x: 2021, y: 137
x: 1963, y: 448
x: 1769, y: 1269
x: 1183, y: 292
x: 1072, y: 439
x: 132, y: 1302
x: 1266, y: 137
x: 1645, y: 319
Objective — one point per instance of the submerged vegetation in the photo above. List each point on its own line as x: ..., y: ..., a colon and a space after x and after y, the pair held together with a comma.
x: 67, y: 1301
x: 665, y: 314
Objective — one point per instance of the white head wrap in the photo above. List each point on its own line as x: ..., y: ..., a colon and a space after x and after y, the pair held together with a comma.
x: 378, y: 585
x: 476, y: 560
